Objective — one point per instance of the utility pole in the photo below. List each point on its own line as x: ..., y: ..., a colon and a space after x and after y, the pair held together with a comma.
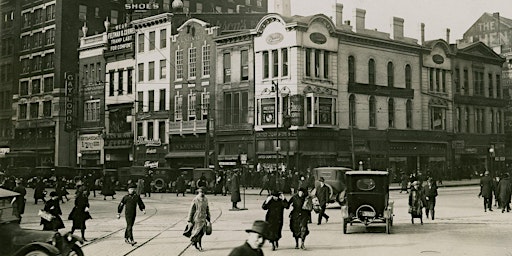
x: 276, y: 88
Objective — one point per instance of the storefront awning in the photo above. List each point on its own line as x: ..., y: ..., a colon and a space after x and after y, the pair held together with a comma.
x: 186, y: 154
x: 25, y: 153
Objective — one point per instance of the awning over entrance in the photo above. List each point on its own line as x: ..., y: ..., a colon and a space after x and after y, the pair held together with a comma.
x: 186, y: 154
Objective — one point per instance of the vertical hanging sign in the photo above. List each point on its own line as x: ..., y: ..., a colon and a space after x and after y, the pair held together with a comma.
x: 69, y: 80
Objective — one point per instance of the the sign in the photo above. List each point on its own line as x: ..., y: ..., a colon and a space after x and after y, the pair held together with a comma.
x: 317, y: 38
x: 243, y: 158
x: 268, y: 111
x: 4, y: 151
x: 89, y: 142
x: 69, y: 81
x: 121, y: 37
x: 458, y: 144
x: 150, y: 164
x: 140, y: 7
x: 325, y: 110
x: 151, y: 151
x: 274, y: 38
x: 438, y: 59
x: 141, y: 140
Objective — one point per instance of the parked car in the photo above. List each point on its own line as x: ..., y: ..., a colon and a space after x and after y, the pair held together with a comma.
x: 17, y: 241
x: 367, y: 199
x: 334, y: 179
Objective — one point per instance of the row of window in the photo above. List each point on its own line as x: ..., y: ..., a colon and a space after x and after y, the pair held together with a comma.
x: 162, y: 71
x: 150, y: 130
x: 192, y: 62
x: 7, y: 46
x: 34, y: 86
x: 92, y: 73
x: 31, y: 110
x: 279, y: 59
x: 475, y: 119
x: 200, y: 8
x: 92, y: 110
x: 372, y: 73
x: 120, y: 81
x: 5, y: 100
x: 37, y: 63
x: 151, y: 41
x: 493, y: 83
x: 82, y: 14
x: 194, y: 111
x: 38, y: 16
x: 6, y: 72
x: 38, y: 39
x: 7, y: 19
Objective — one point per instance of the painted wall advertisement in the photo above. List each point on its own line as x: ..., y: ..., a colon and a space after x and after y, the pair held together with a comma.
x: 268, y: 110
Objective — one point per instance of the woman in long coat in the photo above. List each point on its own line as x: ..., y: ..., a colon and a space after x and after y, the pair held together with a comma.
x: 181, y: 186
x: 108, y: 188
x: 416, y: 202
x: 235, y: 190
x: 504, y: 193
x: 39, y: 192
x: 299, y: 217
x: 52, y: 206
x: 198, y: 215
x: 80, y: 212
x: 275, y: 205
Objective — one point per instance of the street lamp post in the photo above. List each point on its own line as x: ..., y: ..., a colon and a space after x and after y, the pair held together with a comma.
x: 491, y: 160
x: 275, y: 87
x: 79, y: 155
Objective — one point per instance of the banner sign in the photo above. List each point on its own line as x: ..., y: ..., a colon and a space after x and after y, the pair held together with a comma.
x: 69, y: 80
x: 121, y: 37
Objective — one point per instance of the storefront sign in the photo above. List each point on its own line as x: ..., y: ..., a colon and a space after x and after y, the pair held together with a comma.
x: 438, y: 59
x: 140, y: 7
x: 69, y: 81
x: 274, y: 38
x: 268, y: 111
x: 317, y: 38
x: 141, y: 140
x: 122, y: 37
x: 89, y: 142
x: 150, y: 164
x: 151, y: 151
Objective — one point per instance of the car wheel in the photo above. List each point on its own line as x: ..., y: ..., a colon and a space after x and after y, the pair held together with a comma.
x: 76, y: 251
x: 39, y: 252
x: 388, y: 226
x: 344, y: 226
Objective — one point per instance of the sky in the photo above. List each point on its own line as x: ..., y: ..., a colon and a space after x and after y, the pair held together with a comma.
x: 437, y: 15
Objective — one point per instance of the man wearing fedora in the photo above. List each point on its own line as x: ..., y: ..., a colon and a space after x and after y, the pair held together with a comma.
x: 322, y: 193
x: 18, y: 202
x: 130, y: 201
x: 256, y: 239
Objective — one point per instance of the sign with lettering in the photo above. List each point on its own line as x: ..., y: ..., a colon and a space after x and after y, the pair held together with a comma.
x: 150, y: 164
x: 69, y: 81
x: 141, y: 7
x: 317, y: 38
x: 438, y: 59
x: 90, y: 142
x: 268, y: 111
x: 141, y: 140
x: 121, y: 37
x: 274, y: 38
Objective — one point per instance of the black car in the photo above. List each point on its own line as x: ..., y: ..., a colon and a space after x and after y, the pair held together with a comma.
x: 367, y: 199
x: 17, y: 241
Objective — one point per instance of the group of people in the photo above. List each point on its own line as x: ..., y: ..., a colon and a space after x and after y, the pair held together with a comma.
x: 499, y: 187
x: 422, y: 195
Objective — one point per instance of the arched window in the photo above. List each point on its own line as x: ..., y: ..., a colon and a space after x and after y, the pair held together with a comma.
x: 391, y: 113
x: 391, y: 75
x: 352, y: 110
x: 373, y: 111
x: 371, y: 72
x: 408, y: 114
x: 351, y: 70
x: 408, y: 77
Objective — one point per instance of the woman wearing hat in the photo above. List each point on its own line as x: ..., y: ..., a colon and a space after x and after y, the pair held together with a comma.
x: 52, y: 206
x: 198, y: 215
x: 416, y: 202
x: 299, y: 217
x: 275, y: 205
x: 80, y: 212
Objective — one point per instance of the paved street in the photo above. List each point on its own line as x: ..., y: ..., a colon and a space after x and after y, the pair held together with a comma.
x: 461, y: 228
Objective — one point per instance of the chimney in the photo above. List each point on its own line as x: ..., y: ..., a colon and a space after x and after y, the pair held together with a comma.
x: 282, y: 7
x: 360, y: 13
x: 422, y: 33
x: 339, y: 14
x: 398, y: 28
x: 448, y: 35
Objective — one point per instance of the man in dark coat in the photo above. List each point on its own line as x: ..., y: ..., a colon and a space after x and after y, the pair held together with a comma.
x: 19, y: 200
x: 486, y: 188
x: 504, y: 192
x: 39, y: 191
x: 181, y: 185
x: 430, y: 194
x: 275, y: 205
x: 235, y: 190
x: 147, y: 184
x: 130, y: 201
x: 256, y: 240
x: 108, y: 187
x: 323, y: 194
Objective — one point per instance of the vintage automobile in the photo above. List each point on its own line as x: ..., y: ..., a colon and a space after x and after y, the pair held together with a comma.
x: 334, y: 179
x: 208, y: 173
x: 367, y: 199
x: 16, y: 241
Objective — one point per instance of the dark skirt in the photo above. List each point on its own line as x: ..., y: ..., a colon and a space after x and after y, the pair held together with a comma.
x: 299, y: 225
x: 55, y: 224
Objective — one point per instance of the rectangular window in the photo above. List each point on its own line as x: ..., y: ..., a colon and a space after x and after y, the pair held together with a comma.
x: 130, y: 81
x: 36, y: 86
x: 98, y: 73
x: 163, y: 69
x: 476, y: 83
x: 161, y: 102
x: 326, y: 64
x: 150, y: 130
x: 151, y: 101
x: 82, y: 12
x: 50, y: 12
x: 25, y: 65
x: 199, y: 8
x: 114, y: 17
x: 37, y: 63
x: 317, y: 63
x: 491, y: 86
x: 23, y: 111
x: 178, y: 108
x: 431, y: 79
x: 266, y: 63
x: 111, y: 85
x: 437, y: 118
x: 24, y: 88
x: 163, y: 38
x: 227, y: 67
x: 92, y: 110
x: 205, y: 103
x: 467, y: 120
x: 120, y: 82
x: 34, y: 110
x: 206, y: 60
x: 192, y: 63
x: 443, y: 80
x: 456, y: 80
x: 25, y: 43
x: 48, y: 84
x: 465, y: 88
x: 179, y: 64
x: 228, y: 108
x: 308, y: 63
x: 140, y: 42
x: 139, y: 130
x: 140, y: 67
x: 49, y: 63
x: 498, y: 86
x: 47, y: 108
x: 26, y: 20
x: 284, y: 65
x: 151, y: 71
x: 140, y: 101
x: 161, y: 131
x: 151, y: 40
x: 38, y: 16
x: 275, y: 63
x: 244, y: 65
x: 93, y: 73
x: 191, y: 106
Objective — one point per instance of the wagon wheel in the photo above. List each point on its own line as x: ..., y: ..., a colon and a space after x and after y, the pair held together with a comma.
x: 344, y: 226
x: 388, y: 225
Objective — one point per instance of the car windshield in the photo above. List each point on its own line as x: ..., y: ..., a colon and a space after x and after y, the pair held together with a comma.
x: 6, y: 211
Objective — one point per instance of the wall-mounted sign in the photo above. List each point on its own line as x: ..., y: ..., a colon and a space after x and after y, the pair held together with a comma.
x: 438, y: 59
x: 121, y: 37
x: 141, y: 140
x: 151, y: 151
x: 274, y: 38
x: 89, y: 142
x: 317, y: 38
x: 69, y: 81
x: 140, y: 7
x: 150, y: 164
x: 268, y: 111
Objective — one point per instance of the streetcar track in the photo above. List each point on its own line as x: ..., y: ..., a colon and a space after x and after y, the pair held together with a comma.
x: 188, y: 246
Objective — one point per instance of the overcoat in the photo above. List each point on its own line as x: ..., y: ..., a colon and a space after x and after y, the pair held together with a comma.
x: 235, y: 189
x: 39, y: 190
x: 504, y: 190
x: 52, y: 206
x: 275, y: 210
x: 131, y: 201
x: 199, y: 213
x: 79, y: 214
x: 245, y: 250
x: 486, y: 186
x: 180, y: 185
x: 108, y: 187
x: 299, y: 217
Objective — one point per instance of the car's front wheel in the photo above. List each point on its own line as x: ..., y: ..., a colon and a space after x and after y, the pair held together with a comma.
x: 76, y: 251
x: 38, y: 252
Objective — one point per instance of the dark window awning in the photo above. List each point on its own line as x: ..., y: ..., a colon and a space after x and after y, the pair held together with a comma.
x: 186, y: 154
